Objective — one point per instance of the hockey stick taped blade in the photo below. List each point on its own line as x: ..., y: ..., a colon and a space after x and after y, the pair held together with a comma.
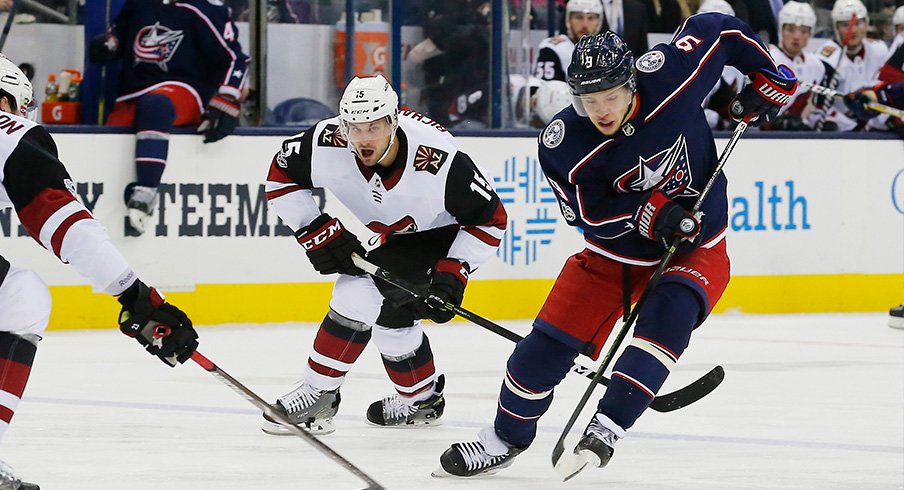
x: 690, y: 393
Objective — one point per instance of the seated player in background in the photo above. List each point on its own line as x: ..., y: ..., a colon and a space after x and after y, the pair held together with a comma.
x: 627, y: 163
x: 856, y: 64
x: 35, y: 183
x: 891, y: 95
x: 796, y: 23
x: 438, y: 219
x: 582, y: 18
x: 183, y: 66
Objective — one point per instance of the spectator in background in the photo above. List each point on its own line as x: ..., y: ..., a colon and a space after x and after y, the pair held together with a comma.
x: 856, y: 63
x: 665, y: 15
x: 761, y: 15
x: 797, y: 20
x: 457, y: 70
x: 628, y: 19
x: 179, y: 56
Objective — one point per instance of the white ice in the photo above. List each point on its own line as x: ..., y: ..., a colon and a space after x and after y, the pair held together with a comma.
x: 809, y: 402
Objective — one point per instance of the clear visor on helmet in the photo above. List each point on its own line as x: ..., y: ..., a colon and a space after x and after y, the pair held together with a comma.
x: 28, y: 110
x: 367, y: 131
x: 609, y: 100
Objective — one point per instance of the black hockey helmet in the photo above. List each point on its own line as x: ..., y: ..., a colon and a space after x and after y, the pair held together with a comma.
x: 600, y: 62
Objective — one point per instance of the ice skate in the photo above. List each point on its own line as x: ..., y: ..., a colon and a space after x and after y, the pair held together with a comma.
x: 483, y: 457
x: 8, y: 481
x: 308, y: 408
x: 393, y: 411
x: 140, y: 204
x: 594, y: 449
x: 896, y: 317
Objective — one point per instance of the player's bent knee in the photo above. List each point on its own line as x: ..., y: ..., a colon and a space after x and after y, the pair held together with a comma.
x: 26, y: 303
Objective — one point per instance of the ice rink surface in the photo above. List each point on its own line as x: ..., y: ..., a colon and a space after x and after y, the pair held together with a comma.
x: 808, y: 402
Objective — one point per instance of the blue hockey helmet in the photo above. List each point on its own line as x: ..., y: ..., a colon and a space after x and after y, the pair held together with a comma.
x: 600, y: 62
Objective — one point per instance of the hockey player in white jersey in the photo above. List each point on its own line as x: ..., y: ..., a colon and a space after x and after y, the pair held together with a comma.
x: 582, y: 18
x: 797, y: 20
x: 37, y: 186
x: 857, y: 64
x: 437, y: 219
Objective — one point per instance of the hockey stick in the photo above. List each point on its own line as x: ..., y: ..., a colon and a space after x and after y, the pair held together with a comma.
x: 570, y: 466
x: 262, y: 405
x: 875, y: 106
x: 9, y: 22
x: 663, y: 403
x: 833, y: 81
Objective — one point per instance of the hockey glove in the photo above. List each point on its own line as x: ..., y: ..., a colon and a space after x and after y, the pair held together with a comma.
x: 329, y: 246
x: 660, y: 219
x: 220, y: 119
x: 103, y: 48
x: 764, y: 96
x: 164, y: 330
x: 447, y: 285
x: 857, y: 101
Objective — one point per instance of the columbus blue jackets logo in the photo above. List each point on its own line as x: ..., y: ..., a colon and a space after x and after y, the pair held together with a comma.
x: 156, y: 44
x: 331, y: 136
x: 429, y: 159
x: 669, y: 171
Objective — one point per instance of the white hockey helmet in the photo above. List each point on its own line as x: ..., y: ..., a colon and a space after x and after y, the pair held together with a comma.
x: 369, y: 99
x: 720, y: 6
x: 898, y: 17
x: 17, y: 87
x: 585, y: 6
x: 843, y: 10
x: 798, y: 14
x: 552, y: 97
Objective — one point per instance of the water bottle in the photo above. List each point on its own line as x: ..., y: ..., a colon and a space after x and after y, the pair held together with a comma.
x: 50, y: 91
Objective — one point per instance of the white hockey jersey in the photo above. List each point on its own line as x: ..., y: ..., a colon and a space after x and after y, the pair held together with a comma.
x: 432, y: 184
x: 36, y: 184
x: 808, y: 68
x: 859, y: 72
x: 553, y: 58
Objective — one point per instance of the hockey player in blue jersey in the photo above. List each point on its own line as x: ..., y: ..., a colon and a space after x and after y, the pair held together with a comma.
x: 183, y: 66
x: 627, y: 161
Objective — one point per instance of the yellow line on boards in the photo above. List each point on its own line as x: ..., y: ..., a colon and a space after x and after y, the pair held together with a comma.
x: 76, y: 307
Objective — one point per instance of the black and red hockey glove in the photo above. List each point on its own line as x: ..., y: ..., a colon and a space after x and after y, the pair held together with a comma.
x: 220, y: 119
x: 164, y: 330
x: 329, y: 246
x: 660, y: 219
x: 447, y: 285
x: 764, y: 96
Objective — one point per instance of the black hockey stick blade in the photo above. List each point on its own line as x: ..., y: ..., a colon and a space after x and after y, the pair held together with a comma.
x: 690, y: 393
x: 263, y: 406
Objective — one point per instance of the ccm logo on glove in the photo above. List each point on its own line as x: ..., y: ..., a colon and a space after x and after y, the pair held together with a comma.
x: 322, y: 236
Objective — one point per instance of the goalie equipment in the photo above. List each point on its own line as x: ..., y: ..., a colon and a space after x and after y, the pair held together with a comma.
x: 307, y: 407
x: 483, y: 457
x: 16, y: 86
x: 394, y: 411
x: 8, y: 480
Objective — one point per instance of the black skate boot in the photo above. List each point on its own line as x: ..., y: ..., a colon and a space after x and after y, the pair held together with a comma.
x: 484, y: 457
x: 8, y: 480
x: 896, y: 317
x: 307, y: 407
x: 598, y: 444
x: 393, y: 411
